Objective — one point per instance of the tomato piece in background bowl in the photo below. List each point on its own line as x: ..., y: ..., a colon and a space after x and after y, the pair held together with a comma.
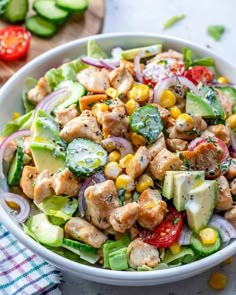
x: 14, y: 43
x: 167, y: 232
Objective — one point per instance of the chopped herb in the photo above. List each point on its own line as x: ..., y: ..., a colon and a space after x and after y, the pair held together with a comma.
x: 135, y: 196
x: 215, y: 31
x: 121, y: 195
x: 176, y: 220
x: 173, y: 20
x: 109, y: 198
x: 108, y: 102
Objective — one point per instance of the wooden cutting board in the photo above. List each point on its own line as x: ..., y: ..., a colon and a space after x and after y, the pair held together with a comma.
x: 76, y: 26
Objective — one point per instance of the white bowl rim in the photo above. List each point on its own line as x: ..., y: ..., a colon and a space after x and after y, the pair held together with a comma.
x: 180, y: 272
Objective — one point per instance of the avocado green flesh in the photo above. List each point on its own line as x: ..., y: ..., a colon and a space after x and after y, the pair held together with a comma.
x: 186, y: 255
x: 200, y: 205
x: 142, y: 51
x: 183, y: 183
x: 46, y: 130
x: 47, y: 156
x: 45, y: 232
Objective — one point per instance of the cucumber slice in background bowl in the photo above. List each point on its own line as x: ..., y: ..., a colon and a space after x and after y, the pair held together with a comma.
x: 73, y: 5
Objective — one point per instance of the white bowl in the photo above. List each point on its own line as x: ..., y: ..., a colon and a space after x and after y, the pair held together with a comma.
x: 10, y: 101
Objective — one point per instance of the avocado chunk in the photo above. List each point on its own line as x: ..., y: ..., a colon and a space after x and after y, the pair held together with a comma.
x: 45, y: 129
x: 208, y: 105
x: 168, y: 187
x: 45, y: 232
x: 76, y: 90
x: 183, y: 183
x: 200, y: 205
x: 47, y: 156
x: 142, y: 51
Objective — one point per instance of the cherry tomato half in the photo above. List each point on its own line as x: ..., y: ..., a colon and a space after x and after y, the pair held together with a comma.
x: 199, y: 74
x: 167, y: 233
x: 14, y: 43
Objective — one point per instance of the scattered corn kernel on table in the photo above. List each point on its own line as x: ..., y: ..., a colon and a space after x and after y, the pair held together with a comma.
x: 149, y: 16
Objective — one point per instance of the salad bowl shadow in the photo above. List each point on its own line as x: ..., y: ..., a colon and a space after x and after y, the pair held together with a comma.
x: 10, y: 101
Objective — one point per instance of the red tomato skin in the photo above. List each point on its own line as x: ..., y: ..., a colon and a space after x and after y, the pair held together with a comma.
x: 173, y: 227
x: 198, y: 74
x: 19, y: 49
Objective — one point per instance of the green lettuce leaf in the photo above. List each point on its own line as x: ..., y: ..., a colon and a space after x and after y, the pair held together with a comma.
x: 23, y: 122
x: 59, y: 206
x: 94, y: 50
x: 215, y: 31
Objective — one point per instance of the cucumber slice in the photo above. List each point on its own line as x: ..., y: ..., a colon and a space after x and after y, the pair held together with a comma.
x: 201, y: 250
x: 85, y: 252
x: 146, y: 121
x: 16, y: 10
x: 73, y: 5
x: 40, y: 26
x: 49, y: 10
x: 16, y: 167
x: 84, y: 157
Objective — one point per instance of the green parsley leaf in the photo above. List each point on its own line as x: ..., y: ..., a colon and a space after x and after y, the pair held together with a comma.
x: 174, y: 19
x: 215, y: 31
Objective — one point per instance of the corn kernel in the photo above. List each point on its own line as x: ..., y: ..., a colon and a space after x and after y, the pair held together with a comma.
x: 143, y: 183
x: 99, y: 107
x: 208, y: 236
x: 112, y: 92
x: 229, y: 260
x: 139, y: 93
x: 112, y: 170
x: 167, y: 99
x: 217, y: 281
x: 175, y: 248
x: 223, y: 80
x: 128, y: 195
x: 114, y: 156
x: 137, y: 140
x: 184, y: 122
x: 175, y: 112
x: 15, y: 115
x: 125, y: 161
x: 231, y: 122
x: 131, y: 106
x: 126, y: 182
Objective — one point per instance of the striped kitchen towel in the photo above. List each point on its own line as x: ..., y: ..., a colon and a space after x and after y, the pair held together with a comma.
x: 23, y: 272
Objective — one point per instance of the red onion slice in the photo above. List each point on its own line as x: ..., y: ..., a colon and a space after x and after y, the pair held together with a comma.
x: 137, y: 69
x: 21, y: 202
x: 226, y: 229
x: 233, y: 140
x: 185, y: 236
x: 166, y: 83
x: 123, y: 145
x: 3, y: 145
x: 107, y: 65
x: 51, y: 100
x: 100, y: 63
x: 96, y: 178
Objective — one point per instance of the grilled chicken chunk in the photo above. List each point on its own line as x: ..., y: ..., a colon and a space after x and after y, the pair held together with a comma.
x: 101, y: 199
x: 140, y: 253
x: 65, y: 182
x: 36, y: 94
x: 94, y: 80
x: 230, y: 215
x: 153, y: 209
x: 224, y: 199
x: 164, y: 161
x: 157, y: 146
x: 43, y: 187
x: 139, y: 162
x: 27, y: 180
x: 79, y: 229
x: 63, y: 116
x: 84, y: 126
x: 124, y: 217
x: 121, y: 79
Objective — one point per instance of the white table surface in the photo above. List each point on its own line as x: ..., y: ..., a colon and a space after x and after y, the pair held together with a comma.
x: 149, y: 16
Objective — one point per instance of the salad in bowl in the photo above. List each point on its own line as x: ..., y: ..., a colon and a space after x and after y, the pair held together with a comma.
x: 125, y: 159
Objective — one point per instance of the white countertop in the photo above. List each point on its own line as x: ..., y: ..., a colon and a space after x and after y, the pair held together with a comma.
x: 149, y: 16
